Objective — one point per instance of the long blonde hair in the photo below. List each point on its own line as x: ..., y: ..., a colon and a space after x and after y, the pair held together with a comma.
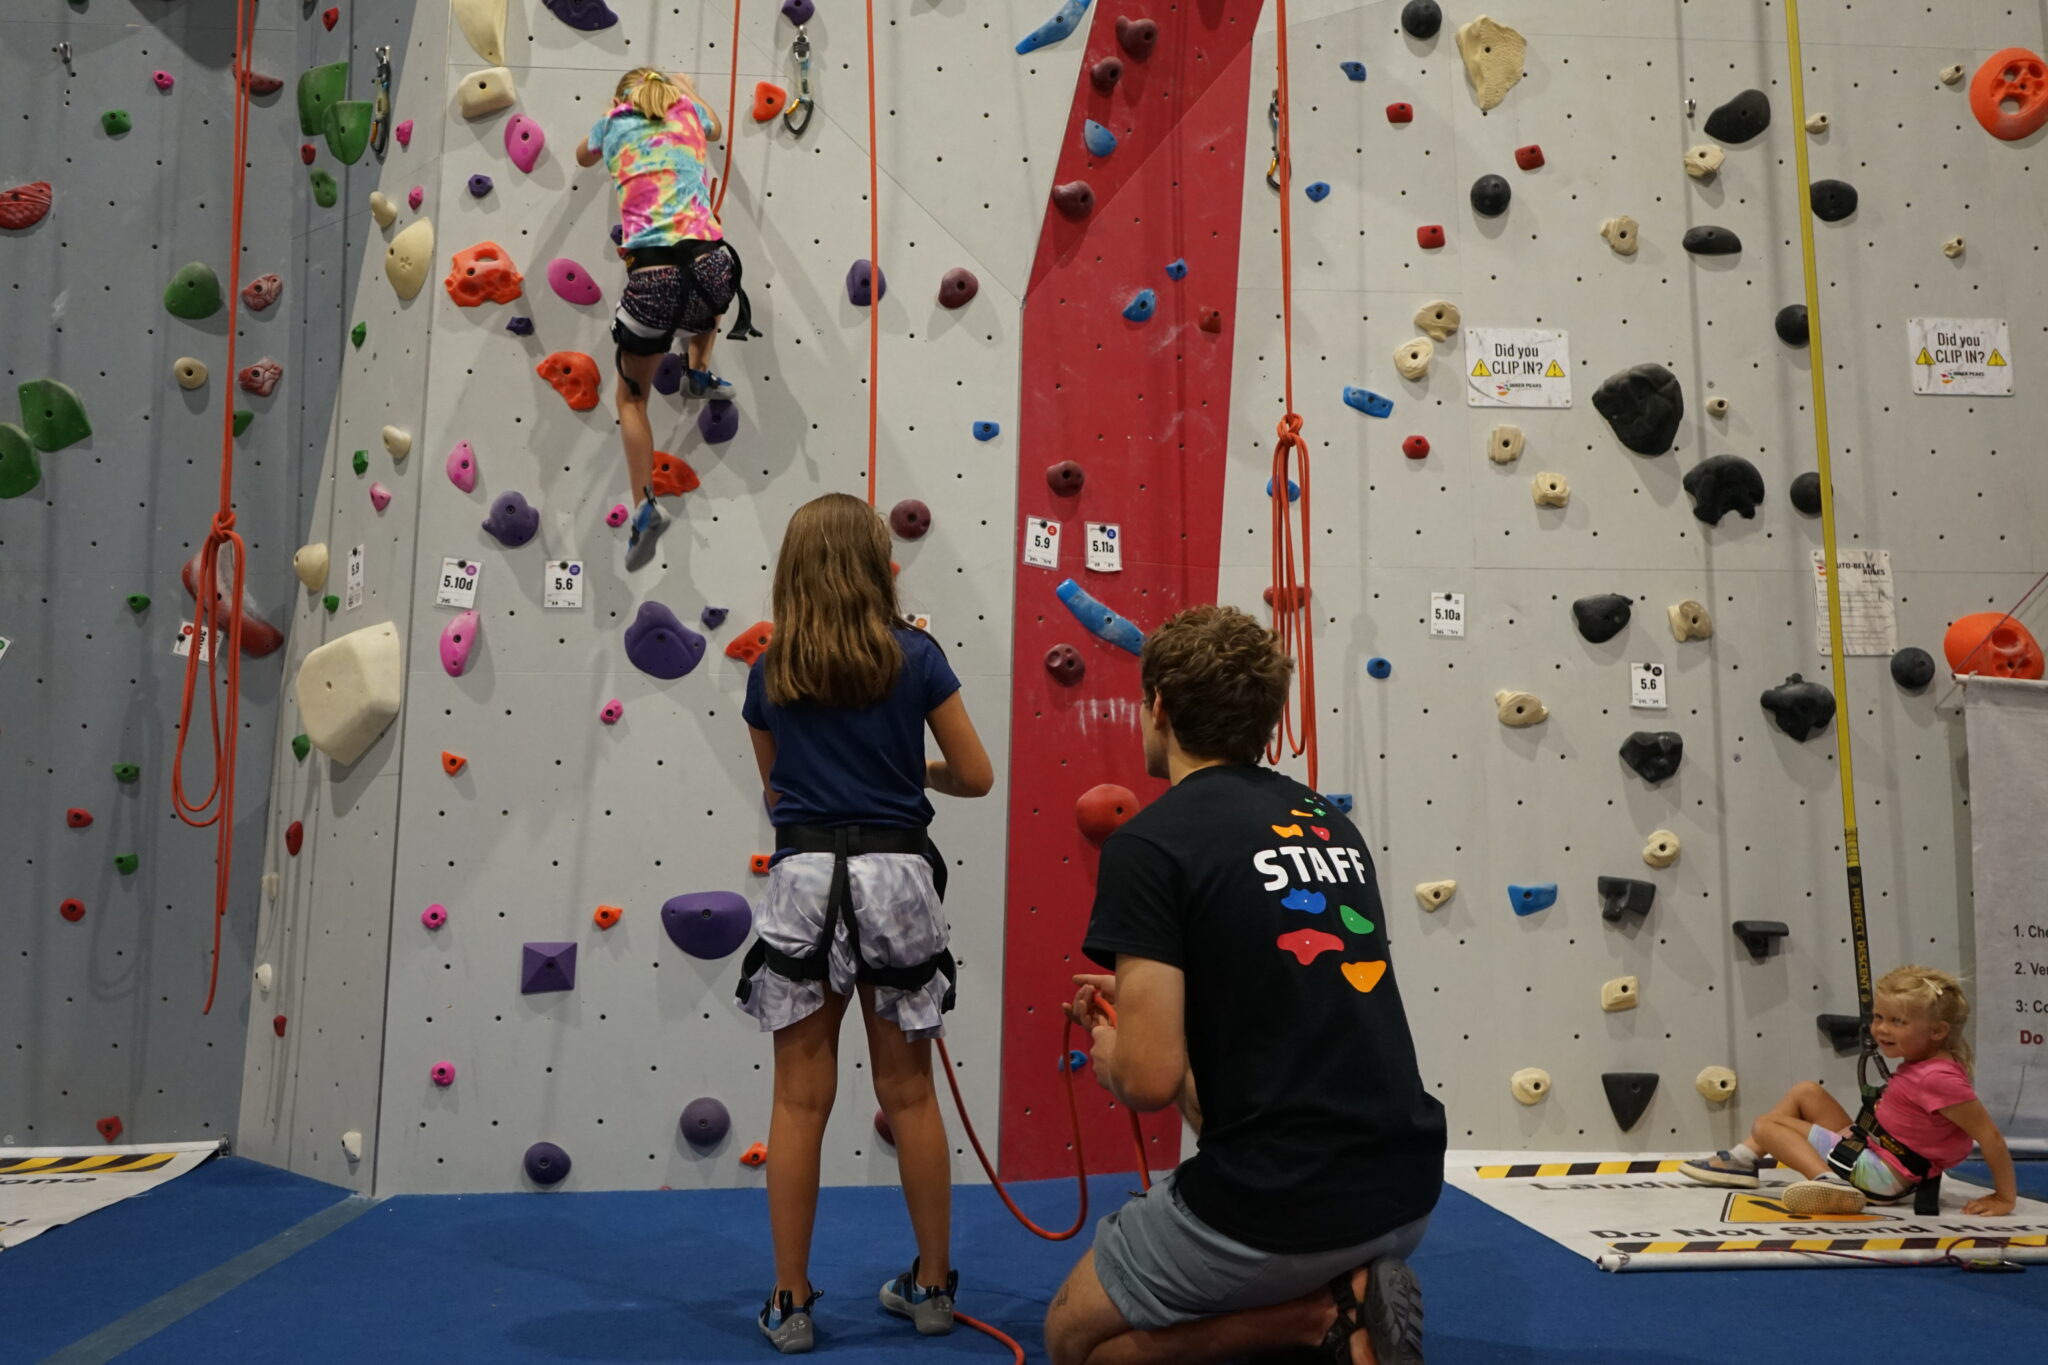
x: 651, y: 92
x: 1941, y: 997
x: 835, y: 607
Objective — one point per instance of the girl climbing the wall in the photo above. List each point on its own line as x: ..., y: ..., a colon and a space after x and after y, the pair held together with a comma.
x: 1922, y: 1124
x: 681, y: 273
x: 838, y: 707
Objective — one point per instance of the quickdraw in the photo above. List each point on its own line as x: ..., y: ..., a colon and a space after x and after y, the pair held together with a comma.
x: 380, y: 126
x: 1273, y: 120
x: 797, y: 117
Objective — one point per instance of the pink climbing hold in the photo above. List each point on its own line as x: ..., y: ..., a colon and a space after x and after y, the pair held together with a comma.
x: 573, y: 282
x: 260, y: 378
x: 434, y: 916
x: 462, y: 467
x: 613, y: 710
x: 403, y: 132
x: 380, y: 496
x: 415, y: 197
x: 617, y: 516
x: 458, y: 637
x: 524, y: 141
x: 164, y: 79
x: 443, y: 1073
x: 259, y: 293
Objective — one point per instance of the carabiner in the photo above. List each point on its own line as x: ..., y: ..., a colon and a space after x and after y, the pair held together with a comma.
x: 1273, y: 118
x: 797, y: 117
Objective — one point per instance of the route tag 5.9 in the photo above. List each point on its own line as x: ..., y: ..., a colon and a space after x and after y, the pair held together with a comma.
x: 1041, y: 543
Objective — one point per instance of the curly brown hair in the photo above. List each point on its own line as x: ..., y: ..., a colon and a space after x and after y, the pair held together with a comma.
x: 1223, y: 679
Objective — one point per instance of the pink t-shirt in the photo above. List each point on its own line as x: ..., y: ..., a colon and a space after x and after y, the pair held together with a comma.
x: 1910, y: 1109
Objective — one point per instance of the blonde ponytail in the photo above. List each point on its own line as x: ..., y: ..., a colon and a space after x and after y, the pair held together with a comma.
x: 651, y: 92
x: 1941, y: 997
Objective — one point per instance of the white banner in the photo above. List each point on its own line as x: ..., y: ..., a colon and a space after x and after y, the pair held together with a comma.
x: 2007, y: 720
x: 41, y: 1187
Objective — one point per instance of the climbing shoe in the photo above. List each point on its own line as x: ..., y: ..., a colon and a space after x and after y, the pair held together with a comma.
x: 930, y: 1306
x: 704, y: 384
x: 1720, y: 1169
x: 1823, y: 1197
x: 786, y: 1325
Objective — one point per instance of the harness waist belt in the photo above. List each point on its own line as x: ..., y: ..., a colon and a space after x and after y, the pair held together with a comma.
x: 1868, y: 1132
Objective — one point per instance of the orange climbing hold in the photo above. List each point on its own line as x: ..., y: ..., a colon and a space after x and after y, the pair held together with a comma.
x: 483, y: 273
x: 770, y: 100
x: 605, y: 916
x: 758, y: 864
x: 756, y: 1155
x: 673, y: 477
x: 574, y: 376
x: 751, y: 643
x: 1102, y: 810
x: 452, y: 764
x: 2010, y: 94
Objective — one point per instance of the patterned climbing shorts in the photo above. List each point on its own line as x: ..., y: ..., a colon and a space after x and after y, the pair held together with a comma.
x: 901, y: 925
x: 1871, y: 1174
x: 659, y: 302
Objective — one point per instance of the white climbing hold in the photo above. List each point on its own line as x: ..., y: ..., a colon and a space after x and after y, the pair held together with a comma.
x: 1703, y: 161
x: 1662, y: 850
x: 1530, y: 1084
x: 483, y: 24
x: 1432, y: 895
x: 1551, y: 490
x: 410, y: 257
x: 1519, y: 709
x: 1619, y: 994
x: 349, y: 690
x: 1438, y: 319
x: 263, y: 971
x: 486, y: 92
x: 352, y: 1145
x: 1952, y: 248
x: 310, y: 564
x: 1950, y: 75
x: 1717, y: 406
x: 399, y: 443
x: 271, y: 883
x: 191, y: 373
x: 382, y: 209
x: 1493, y: 55
x: 1412, y: 358
x: 1689, y: 621
x: 1504, y: 445
x: 1716, y: 1084
x: 1621, y: 234
x: 1817, y: 123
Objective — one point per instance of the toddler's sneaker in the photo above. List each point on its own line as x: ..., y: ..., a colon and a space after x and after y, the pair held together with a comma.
x: 930, y: 1306
x: 704, y: 384
x: 1720, y: 1169
x: 788, y: 1325
x: 1824, y: 1197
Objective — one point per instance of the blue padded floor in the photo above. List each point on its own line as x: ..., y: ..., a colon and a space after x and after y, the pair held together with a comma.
x: 664, y: 1276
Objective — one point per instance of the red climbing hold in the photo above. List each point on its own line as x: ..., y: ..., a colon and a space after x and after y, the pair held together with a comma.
x: 110, y: 1127
x: 330, y: 18
x: 1299, y: 595
x: 751, y: 643
x: 1416, y: 447
x: 1075, y: 199
x: 2014, y: 77
x: 277, y: 1025
x: 1401, y: 113
x: 483, y: 274
x: 24, y: 205
x: 294, y: 837
x: 452, y: 764
x: 1430, y: 236
x: 76, y: 818
x: 260, y: 378
x: 1066, y: 478
x: 1136, y: 36
x: 1106, y: 73
x: 307, y: 153
x: 260, y: 84
x: 1210, y: 320
x: 259, y: 636
x: 673, y: 477
x: 1102, y: 809
x: 574, y: 376
x: 73, y: 910
x: 770, y: 100
x: 1529, y: 157
x: 756, y: 1155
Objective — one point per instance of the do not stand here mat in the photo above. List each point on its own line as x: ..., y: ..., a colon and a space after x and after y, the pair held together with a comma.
x: 41, y: 1187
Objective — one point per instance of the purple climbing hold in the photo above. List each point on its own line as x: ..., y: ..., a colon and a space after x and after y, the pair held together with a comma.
x: 660, y: 645
x: 587, y: 15
x: 708, y: 924
x: 798, y: 12
x: 546, y: 1164
x: 513, y: 520
x: 520, y: 327
x: 618, y: 235
x: 719, y: 422
x: 668, y: 375
x: 546, y: 967
x: 712, y: 617
x: 479, y: 186
x: 705, y: 1121
x: 865, y: 284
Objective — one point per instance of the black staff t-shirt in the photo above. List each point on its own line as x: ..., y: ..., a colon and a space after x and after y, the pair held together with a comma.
x: 1317, y: 1132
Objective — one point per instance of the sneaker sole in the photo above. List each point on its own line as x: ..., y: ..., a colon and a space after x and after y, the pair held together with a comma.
x: 1823, y: 1197
x: 1392, y: 1312
x: 929, y: 1324
x: 1727, y: 1179
x: 794, y: 1337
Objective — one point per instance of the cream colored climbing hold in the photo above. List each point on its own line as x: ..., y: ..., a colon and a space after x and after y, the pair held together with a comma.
x: 1689, y: 621
x: 1412, y: 358
x: 382, y: 209
x: 271, y: 883
x: 1662, y: 850
x: 189, y: 373
x: 352, y: 1145
x: 310, y: 564
x: 263, y: 973
x: 1493, y: 55
x: 486, y: 92
x: 1504, y: 446
x: 1717, y: 406
x: 1438, y: 319
x: 1551, y: 490
x: 1519, y: 709
x: 1951, y: 74
x: 1817, y: 123
x: 399, y: 443
x: 1618, y: 994
x: 1703, y: 161
x: 349, y: 690
x: 1716, y: 1084
x: 410, y: 257
x: 1432, y: 895
x: 483, y: 24
x: 1952, y: 248
x: 1530, y: 1084
x: 1621, y: 234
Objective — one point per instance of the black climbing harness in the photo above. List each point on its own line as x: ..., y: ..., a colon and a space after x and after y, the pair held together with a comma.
x: 845, y: 842
x: 380, y: 124
x: 684, y: 256
x: 797, y: 117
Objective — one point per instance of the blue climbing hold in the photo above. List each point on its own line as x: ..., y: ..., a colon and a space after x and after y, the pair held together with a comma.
x: 1177, y: 270
x: 1140, y: 308
x: 1341, y: 800
x: 987, y: 431
x: 1318, y: 192
x: 1527, y: 900
x: 1097, y: 139
x: 1307, y: 901
x: 1368, y: 402
x: 1055, y: 28
x: 1378, y: 668
x: 1355, y: 70
x: 1100, y: 619
x: 1074, y: 1060
x: 520, y: 327
x: 1293, y: 490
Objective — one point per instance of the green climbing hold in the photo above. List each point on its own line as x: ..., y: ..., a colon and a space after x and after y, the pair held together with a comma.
x: 20, y: 470
x: 1355, y: 922
x: 126, y: 863
x: 332, y: 603
x: 194, y: 292
x: 325, y: 191
x: 53, y: 414
x: 116, y: 122
x: 357, y: 333
x: 361, y: 463
x: 138, y: 602
x: 243, y: 416
x: 301, y: 746
x: 320, y: 89
x: 126, y: 772
x: 347, y: 125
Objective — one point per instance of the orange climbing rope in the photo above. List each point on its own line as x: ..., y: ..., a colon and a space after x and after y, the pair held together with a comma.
x: 732, y: 98
x: 210, y: 638
x: 1290, y: 579
x: 874, y: 265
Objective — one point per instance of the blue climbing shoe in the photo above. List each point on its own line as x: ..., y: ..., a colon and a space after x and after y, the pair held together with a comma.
x: 929, y: 1306
x: 788, y: 1325
x: 704, y: 384
x: 648, y: 524
x: 1720, y: 1169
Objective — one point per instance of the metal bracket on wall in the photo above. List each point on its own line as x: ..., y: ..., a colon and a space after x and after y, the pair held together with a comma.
x: 380, y: 126
x: 63, y: 51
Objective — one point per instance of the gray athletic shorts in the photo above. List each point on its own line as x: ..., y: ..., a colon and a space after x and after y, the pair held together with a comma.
x: 1162, y: 1266
x: 901, y: 925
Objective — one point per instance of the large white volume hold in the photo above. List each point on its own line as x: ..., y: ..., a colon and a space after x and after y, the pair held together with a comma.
x: 349, y: 690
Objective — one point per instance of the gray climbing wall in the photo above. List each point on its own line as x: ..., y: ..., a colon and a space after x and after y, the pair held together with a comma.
x: 1948, y: 486
x: 101, y: 1017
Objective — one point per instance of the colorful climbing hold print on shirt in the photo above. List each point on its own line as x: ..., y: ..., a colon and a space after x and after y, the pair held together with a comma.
x: 663, y: 174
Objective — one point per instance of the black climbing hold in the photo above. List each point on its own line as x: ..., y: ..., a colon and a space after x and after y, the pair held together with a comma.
x: 1791, y: 324
x: 1724, y: 484
x: 1625, y: 896
x: 1490, y: 196
x: 1628, y: 1094
x: 1912, y: 668
x: 1757, y: 935
x: 1422, y: 18
x: 1844, y: 1031
x: 1806, y: 493
x: 1644, y: 405
x: 1741, y: 118
x: 1653, y: 754
x: 1601, y: 618
x: 1801, y: 708
x: 1707, y: 240
x: 1833, y: 200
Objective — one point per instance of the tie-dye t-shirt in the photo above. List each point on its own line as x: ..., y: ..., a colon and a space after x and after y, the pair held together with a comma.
x: 663, y: 172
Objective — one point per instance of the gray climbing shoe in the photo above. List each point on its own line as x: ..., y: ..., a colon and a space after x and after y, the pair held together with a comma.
x: 929, y: 1306
x: 1720, y: 1169
x: 787, y: 1326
